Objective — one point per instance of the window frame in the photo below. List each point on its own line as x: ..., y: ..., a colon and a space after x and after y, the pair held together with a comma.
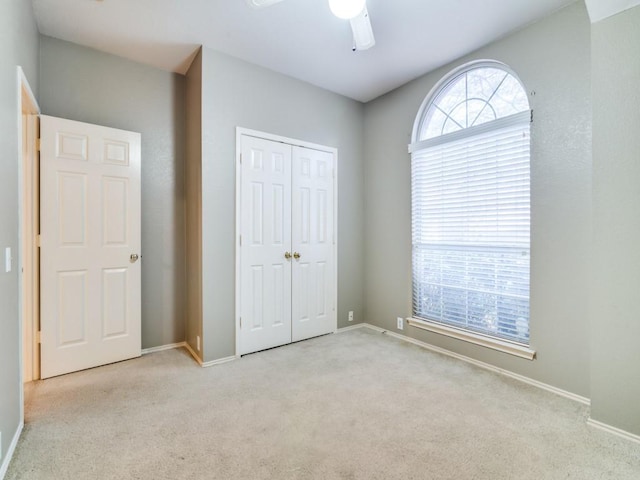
x: 485, y: 340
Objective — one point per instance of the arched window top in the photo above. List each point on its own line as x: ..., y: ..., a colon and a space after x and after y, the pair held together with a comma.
x: 472, y: 95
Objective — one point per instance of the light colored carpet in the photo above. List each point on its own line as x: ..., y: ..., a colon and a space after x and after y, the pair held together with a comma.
x: 356, y: 405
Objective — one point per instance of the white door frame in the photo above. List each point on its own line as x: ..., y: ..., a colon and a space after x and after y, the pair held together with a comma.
x: 27, y: 105
x: 240, y: 132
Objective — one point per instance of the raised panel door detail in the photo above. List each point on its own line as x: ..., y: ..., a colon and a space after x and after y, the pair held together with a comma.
x: 279, y: 296
x: 322, y: 169
x: 305, y: 167
x: 265, y: 229
x: 115, y: 217
x: 321, y: 215
x: 71, y: 146
x: 321, y: 289
x: 277, y: 160
x: 72, y: 211
x: 257, y: 210
x: 305, y: 215
x: 72, y: 308
x: 90, y: 205
x: 114, y: 310
x: 278, y: 215
x: 313, y: 274
x: 302, y: 291
x: 116, y: 153
x: 256, y: 159
x: 257, y: 297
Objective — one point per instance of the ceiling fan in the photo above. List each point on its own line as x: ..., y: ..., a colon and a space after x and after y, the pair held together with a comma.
x: 353, y: 10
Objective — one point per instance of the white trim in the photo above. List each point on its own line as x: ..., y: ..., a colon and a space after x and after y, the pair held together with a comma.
x: 238, y: 205
x: 11, y: 450
x: 240, y: 132
x: 485, y: 366
x: 22, y: 84
x: 613, y: 430
x: 219, y: 361
x: 353, y: 327
x: 504, y: 346
x: 162, y: 348
x: 212, y: 362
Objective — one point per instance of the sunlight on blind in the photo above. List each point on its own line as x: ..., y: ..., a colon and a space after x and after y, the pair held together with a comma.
x: 471, y: 234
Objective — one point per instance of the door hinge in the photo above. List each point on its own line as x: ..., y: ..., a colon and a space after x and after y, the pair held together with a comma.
x: 37, y: 144
x: 240, y: 322
x: 240, y: 239
x: 531, y: 116
x: 38, y: 240
x: 38, y: 337
x: 240, y: 159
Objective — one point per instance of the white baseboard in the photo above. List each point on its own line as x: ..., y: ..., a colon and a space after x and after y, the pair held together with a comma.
x: 529, y: 381
x: 613, y: 430
x: 486, y: 366
x: 212, y: 362
x: 162, y: 348
x: 12, y: 448
x: 351, y: 327
x: 219, y: 361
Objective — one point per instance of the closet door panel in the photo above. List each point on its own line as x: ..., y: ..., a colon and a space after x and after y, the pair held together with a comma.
x: 313, y: 268
x: 265, y: 270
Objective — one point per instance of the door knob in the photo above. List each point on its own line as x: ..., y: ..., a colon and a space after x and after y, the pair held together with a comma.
x: 296, y: 255
x: 287, y: 255
x: 134, y: 257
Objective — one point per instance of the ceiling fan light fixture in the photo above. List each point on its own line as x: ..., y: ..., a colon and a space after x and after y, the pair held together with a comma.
x: 363, y: 38
x: 346, y: 9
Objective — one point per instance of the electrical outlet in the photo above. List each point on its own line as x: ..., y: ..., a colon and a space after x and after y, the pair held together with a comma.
x: 351, y: 316
x: 198, y: 342
x: 400, y: 323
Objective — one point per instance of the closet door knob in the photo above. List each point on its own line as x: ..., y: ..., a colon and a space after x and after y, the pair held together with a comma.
x: 287, y: 255
x: 296, y: 255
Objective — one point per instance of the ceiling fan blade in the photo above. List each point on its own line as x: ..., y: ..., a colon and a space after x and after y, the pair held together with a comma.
x: 262, y: 3
x: 363, y: 38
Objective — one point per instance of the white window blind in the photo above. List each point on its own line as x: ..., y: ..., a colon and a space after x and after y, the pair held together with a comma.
x: 471, y: 229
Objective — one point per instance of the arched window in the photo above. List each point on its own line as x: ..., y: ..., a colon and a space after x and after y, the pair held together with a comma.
x: 470, y: 204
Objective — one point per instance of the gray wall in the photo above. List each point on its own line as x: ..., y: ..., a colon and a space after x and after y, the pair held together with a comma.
x: 552, y: 58
x: 193, y: 187
x: 236, y: 93
x: 18, y: 46
x: 86, y: 85
x: 615, y: 315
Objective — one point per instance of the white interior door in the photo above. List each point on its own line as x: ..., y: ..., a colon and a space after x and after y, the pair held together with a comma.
x: 265, y: 270
x: 90, y: 242
x: 313, y: 306
x: 287, y: 284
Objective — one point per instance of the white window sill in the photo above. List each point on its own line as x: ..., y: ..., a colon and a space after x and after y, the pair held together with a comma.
x: 505, y: 346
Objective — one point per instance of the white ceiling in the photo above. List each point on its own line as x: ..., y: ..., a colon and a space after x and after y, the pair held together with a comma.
x: 299, y: 38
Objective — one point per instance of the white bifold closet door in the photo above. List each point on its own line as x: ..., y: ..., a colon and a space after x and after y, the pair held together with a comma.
x: 287, y: 268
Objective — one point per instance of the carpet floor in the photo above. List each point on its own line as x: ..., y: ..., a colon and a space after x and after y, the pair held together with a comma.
x: 355, y: 405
